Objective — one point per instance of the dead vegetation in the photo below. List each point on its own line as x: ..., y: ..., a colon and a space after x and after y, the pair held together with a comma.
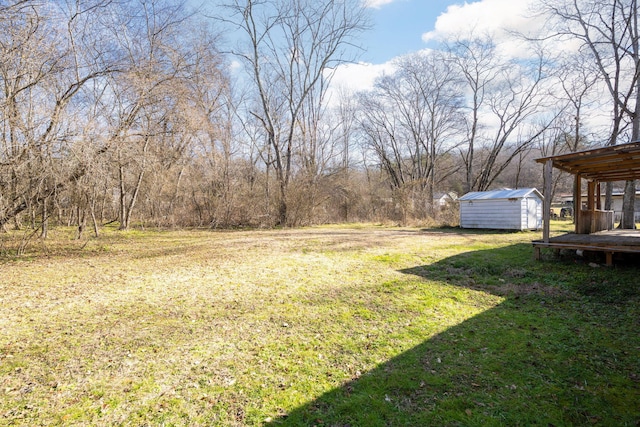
x: 230, y: 328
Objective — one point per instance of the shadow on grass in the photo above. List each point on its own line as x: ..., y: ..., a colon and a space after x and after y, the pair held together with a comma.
x: 552, y: 353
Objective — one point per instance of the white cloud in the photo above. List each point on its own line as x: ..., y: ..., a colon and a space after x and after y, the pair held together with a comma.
x: 359, y: 76
x: 352, y: 78
x: 376, y: 4
x: 235, y: 65
x: 497, y: 18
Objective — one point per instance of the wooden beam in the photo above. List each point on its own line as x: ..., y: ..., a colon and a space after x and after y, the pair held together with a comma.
x: 613, y: 163
x: 577, y: 201
x: 546, y: 203
x: 591, y: 205
x: 609, y: 258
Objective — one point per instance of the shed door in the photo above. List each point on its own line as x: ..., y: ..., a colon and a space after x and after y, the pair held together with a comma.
x: 532, y: 215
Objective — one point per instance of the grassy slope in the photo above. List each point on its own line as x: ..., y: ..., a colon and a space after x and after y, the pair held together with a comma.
x: 323, y: 326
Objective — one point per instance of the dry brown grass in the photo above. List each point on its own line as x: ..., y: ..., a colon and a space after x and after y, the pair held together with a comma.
x: 194, y: 327
x: 214, y: 328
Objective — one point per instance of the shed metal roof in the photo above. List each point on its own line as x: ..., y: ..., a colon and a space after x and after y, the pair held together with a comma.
x: 501, y: 194
x: 614, y: 163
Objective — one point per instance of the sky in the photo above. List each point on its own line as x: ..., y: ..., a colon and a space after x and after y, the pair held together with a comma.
x: 398, y: 27
x: 401, y: 27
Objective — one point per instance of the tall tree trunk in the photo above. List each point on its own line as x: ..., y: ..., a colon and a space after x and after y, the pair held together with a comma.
x: 123, y: 194
x: 92, y: 207
x: 45, y: 220
x: 282, y: 205
x: 82, y: 221
x: 132, y: 201
x: 629, y: 198
x: 628, y: 209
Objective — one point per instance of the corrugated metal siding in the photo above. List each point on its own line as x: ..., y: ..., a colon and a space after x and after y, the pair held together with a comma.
x: 498, y: 214
x: 519, y: 209
x: 524, y: 214
x: 502, y: 194
x: 506, y: 214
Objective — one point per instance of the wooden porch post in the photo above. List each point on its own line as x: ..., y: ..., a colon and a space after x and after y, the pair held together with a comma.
x: 546, y: 203
x: 591, y: 205
x: 591, y: 200
x: 577, y: 201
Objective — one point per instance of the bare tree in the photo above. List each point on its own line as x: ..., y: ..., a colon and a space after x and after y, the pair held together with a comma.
x: 477, y: 61
x: 578, y: 78
x: 102, y: 99
x: 44, y: 68
x: 289, y: 44
x: 345, y: 118
x: 144, y: 106
x: 517, y: 106
x: 410, y: 119
x: 433, y: 119
x: 209, y: 114
x: 608, y: 32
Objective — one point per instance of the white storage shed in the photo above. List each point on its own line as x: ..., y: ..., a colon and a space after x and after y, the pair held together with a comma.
x: 507, y: 209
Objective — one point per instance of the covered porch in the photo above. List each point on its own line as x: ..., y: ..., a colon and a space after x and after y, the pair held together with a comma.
x: 594, y: 226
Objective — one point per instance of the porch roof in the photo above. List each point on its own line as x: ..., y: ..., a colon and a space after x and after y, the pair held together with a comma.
x: 613, y: 163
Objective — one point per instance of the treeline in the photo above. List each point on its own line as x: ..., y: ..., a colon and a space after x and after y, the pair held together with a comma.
x: 141, y: 112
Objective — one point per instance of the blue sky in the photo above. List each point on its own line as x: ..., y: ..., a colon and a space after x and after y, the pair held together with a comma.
x: 398, y: 27
x: 401, y: 27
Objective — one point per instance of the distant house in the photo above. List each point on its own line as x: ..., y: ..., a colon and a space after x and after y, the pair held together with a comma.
x: 507, y: 209
x: 616, y: 199
x: 442, y: 200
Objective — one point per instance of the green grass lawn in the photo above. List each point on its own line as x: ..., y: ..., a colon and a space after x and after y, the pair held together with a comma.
x: 327, y: 326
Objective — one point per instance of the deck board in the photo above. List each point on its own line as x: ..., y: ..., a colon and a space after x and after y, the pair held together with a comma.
x: 609, y: 242
x: 601, y: 238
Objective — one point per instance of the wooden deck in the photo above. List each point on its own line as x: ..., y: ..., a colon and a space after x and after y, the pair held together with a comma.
x: 609, y: 242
